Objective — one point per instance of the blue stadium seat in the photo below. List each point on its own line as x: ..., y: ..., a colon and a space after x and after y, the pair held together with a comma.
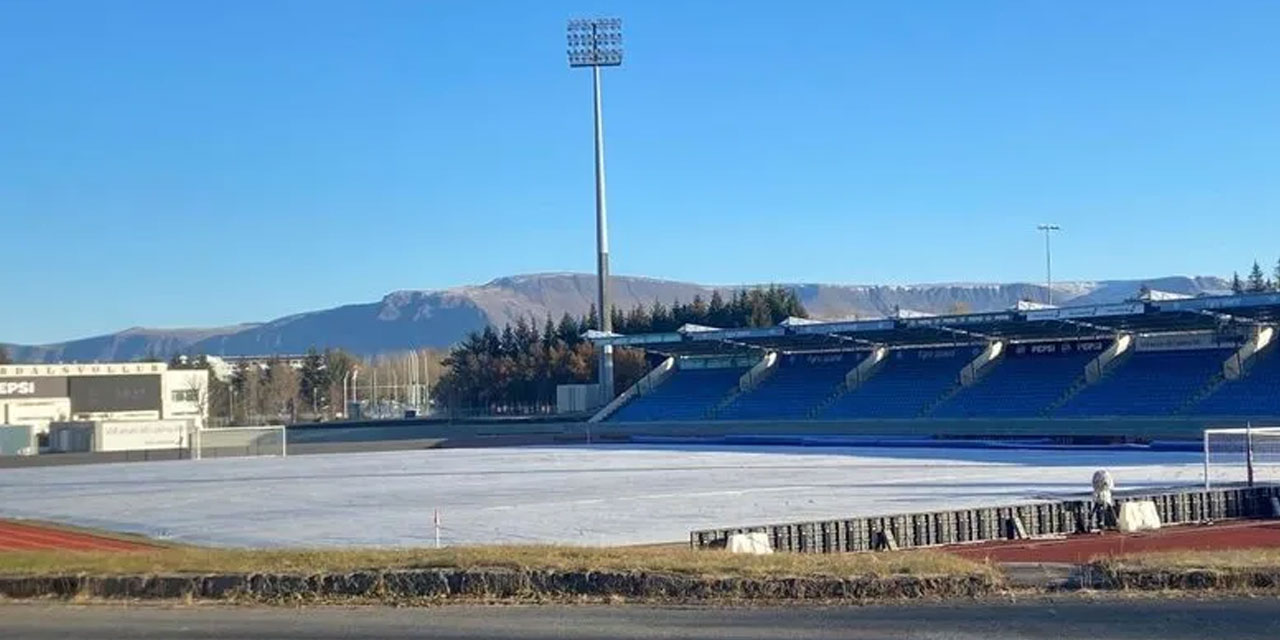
x: 907, y: 381
x: 799, y: 384
x: 1257, y: 394
x: 1023, y: 384
x: 688, y: 394
x: 1148, y: 383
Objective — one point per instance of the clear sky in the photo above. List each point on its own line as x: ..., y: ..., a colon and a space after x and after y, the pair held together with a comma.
x: 203, y: 163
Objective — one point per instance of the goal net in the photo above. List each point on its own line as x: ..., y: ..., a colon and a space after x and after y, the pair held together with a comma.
x: 1248, y: 455
x: 224, y: 442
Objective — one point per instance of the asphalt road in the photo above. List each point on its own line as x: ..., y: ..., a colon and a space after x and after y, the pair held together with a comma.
x: 1066, y: 618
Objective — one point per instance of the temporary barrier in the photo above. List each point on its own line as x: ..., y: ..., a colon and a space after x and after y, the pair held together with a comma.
x: 1040, y: 519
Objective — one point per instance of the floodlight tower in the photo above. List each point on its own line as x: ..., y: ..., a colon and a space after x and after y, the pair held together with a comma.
x: 1048, y: 230
x: 595, y: 43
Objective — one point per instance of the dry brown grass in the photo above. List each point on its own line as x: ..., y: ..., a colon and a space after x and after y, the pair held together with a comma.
x: 658, y: 559
x: 1226, y: 560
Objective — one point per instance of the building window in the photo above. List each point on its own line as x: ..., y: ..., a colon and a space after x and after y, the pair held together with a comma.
x: 184, y: 395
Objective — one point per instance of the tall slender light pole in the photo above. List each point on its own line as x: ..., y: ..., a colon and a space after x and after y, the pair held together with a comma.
x: 595, y: 43
x: 1048, y: 230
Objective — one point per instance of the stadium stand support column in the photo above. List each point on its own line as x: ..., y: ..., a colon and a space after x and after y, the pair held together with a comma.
x: 1094, y: 371
x: 750, y: 380
x: 865, y: 369
x: 982, y: 364
x: 854, y: 379
x: 644, y: 385
x: 970, y: 374
x: 756, y: 374
x: 1234, y: 367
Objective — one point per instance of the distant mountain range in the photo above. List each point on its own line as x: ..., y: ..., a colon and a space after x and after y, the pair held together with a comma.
x: 406, y: 319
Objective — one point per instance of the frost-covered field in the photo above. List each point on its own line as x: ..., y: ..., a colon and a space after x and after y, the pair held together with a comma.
x: 577, y: 495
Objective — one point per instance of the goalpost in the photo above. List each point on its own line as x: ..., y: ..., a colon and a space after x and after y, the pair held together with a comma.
x: 1241, y: 455
x: 222, y: 442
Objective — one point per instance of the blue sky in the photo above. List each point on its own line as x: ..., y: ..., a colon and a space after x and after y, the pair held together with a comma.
x: 204, y: 163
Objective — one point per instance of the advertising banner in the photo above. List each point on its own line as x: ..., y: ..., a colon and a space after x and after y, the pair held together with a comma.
x: 1058, y: 348
x: 19, y: 388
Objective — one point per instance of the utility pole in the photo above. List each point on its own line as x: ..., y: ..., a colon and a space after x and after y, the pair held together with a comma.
x: 1048, y: 230
x: 596, y: 43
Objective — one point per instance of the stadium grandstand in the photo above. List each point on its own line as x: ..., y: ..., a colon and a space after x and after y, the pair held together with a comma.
x: 1211, y: 358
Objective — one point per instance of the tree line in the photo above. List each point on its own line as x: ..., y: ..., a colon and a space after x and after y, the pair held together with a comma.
x: 1256, y: 281
x: 518, y: 368
x: 277, y: 391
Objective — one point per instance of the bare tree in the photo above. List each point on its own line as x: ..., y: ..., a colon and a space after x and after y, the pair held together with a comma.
x: 196, y: 390
x: 281, y: 389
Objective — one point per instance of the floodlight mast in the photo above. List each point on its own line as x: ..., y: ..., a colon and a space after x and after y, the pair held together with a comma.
x: 595, y: 43
x: 1048, y: 260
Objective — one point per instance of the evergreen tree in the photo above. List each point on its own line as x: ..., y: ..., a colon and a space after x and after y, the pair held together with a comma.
x: 569, y: 331
x: 679, y: 314
x: 699, y: 311
x: 717, y: 313
x: 616, y: 317
x: 492, y: 345
x: 549, y: 331
x: 637, y: 321
x: 509, y: 346
x: 660, y: 319
x: 313, y: 380
x: 1257, y: 282
x: 1237, y: 287
x: 526, y: 336
x: 4, y: 356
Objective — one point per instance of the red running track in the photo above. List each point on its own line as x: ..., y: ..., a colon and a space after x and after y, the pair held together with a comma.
x: 1083, y: 548
x: 30, y: 537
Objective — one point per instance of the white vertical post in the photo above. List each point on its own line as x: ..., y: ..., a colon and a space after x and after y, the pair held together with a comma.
x: 436, y: 521
x: 1248, y: 451
x: 1206, y: 460
x: 284, y: 441
x: 1048, y: 269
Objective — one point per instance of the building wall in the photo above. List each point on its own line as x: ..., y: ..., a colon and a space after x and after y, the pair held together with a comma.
x: 37, y: 412
x: 185, y: 395
x: 40, y: 394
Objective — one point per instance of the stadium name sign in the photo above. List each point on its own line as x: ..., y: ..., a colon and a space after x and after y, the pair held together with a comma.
x: 21, y: 388
x: 34, y: 387
x: 128, y: 368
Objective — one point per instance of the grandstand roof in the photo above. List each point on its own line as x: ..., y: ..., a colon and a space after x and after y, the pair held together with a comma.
x: 1062, y: 323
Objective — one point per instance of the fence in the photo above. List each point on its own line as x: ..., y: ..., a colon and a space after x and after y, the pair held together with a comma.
x: 982, y: 524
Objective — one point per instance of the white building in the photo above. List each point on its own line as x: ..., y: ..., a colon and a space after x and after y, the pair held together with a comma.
x: 37, y: 394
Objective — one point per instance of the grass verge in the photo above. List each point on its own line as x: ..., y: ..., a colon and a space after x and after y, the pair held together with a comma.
x: 1226, y: 560
x: 304, y: 561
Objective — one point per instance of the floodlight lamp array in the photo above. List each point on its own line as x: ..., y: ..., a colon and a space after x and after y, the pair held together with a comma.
x: 595, y: 42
